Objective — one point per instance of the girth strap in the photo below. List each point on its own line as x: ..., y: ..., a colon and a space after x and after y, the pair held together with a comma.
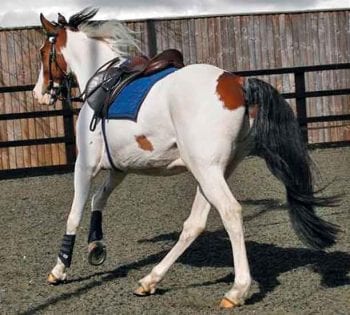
x: 103, y: 124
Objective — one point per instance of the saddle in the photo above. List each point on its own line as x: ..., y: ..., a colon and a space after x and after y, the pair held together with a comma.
x: 105, y: 85
x: 145, y: 66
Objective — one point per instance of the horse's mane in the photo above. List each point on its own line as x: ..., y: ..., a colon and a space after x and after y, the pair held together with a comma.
x: 120, y: 38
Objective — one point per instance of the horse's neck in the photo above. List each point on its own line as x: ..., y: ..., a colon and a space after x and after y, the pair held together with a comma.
x: 85, y: 55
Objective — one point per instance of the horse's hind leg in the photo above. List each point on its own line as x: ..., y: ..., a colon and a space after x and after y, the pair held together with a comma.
x: 217, y: 192
x: 97, y: 250
x: 192, y: 227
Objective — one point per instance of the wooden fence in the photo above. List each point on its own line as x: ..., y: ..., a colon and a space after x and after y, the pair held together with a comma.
x: 35, y: 139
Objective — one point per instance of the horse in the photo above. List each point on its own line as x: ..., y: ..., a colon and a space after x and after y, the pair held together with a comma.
x: 200, y: 119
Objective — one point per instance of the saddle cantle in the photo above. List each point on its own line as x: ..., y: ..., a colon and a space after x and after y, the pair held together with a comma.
x: 167, y: 58
x: 146, y: 66
x: 105, y: 85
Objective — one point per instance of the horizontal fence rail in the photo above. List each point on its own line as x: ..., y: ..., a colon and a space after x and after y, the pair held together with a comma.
x: 67, y: 113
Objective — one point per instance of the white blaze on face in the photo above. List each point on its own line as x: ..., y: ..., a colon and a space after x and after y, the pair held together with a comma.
x: 38, y: 93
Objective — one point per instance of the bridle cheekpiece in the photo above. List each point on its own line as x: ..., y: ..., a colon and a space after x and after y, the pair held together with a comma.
x: 57, y: 91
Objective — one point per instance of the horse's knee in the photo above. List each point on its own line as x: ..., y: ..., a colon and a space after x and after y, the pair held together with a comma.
x: 73, y: 223
x: 99, y: 201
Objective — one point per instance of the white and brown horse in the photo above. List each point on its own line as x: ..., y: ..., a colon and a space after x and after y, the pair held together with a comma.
x: 200, y: 119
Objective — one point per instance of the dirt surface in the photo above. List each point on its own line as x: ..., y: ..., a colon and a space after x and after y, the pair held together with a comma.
x: 143, y: 219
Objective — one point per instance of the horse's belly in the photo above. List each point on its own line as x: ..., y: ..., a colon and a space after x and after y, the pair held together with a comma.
x: 143, y: 158
x: 139, y: 148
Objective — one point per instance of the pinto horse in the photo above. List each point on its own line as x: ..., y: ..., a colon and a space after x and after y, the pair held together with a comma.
x: 199, y: 118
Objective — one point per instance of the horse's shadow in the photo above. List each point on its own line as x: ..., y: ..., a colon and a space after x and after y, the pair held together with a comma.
x: 214, y: 249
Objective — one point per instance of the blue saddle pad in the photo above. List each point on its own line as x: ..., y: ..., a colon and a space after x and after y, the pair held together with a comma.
x: 128, y: 102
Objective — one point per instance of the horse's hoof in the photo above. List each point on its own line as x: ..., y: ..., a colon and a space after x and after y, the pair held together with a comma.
x: 97, y: 253
x: 226, y: 303
x: 141, y: 291
x: 51, y: 279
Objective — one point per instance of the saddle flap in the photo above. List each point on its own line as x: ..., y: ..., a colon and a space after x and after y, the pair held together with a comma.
x: 100, y: 86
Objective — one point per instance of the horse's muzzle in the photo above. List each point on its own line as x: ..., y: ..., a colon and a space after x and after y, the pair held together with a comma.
x: 44, y: 99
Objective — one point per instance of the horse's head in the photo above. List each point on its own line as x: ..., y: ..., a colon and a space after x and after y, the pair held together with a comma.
x: 54, y: 69
x: 80, y: 46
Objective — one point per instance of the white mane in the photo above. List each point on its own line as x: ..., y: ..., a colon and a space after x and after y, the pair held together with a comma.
x: 121, y: 39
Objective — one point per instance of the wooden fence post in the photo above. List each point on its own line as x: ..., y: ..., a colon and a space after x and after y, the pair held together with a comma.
x: 299, y: 77
x: 151, y: 38
x: 68, y: 124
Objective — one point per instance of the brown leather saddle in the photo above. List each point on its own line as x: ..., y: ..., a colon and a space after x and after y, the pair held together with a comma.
x: 146, y: 66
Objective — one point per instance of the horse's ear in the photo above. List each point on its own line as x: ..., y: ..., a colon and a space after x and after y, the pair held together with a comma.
x: 47, y: 25
x: 61, y: 20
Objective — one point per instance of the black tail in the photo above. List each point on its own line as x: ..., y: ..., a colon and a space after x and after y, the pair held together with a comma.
x: 278, y: 140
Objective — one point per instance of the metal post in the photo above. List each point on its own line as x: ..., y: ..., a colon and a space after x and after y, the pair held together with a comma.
x: 299, y: 78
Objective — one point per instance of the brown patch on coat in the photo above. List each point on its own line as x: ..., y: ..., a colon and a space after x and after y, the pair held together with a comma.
x: 144, y: 143
x: 230, y: 90
x: 58, y: 68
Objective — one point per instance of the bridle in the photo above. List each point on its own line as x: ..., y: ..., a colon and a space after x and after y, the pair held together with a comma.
x: 61, y: 91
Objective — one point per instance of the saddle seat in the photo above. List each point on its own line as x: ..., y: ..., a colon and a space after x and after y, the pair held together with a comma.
x: 146, y: 66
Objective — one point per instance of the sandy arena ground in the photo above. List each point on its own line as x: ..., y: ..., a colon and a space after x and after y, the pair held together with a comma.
x: 142, y: 221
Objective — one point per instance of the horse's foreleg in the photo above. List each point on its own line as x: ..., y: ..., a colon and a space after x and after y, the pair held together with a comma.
x: 96, y: 247
x: 82, y: 182
x: 192, y: 227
